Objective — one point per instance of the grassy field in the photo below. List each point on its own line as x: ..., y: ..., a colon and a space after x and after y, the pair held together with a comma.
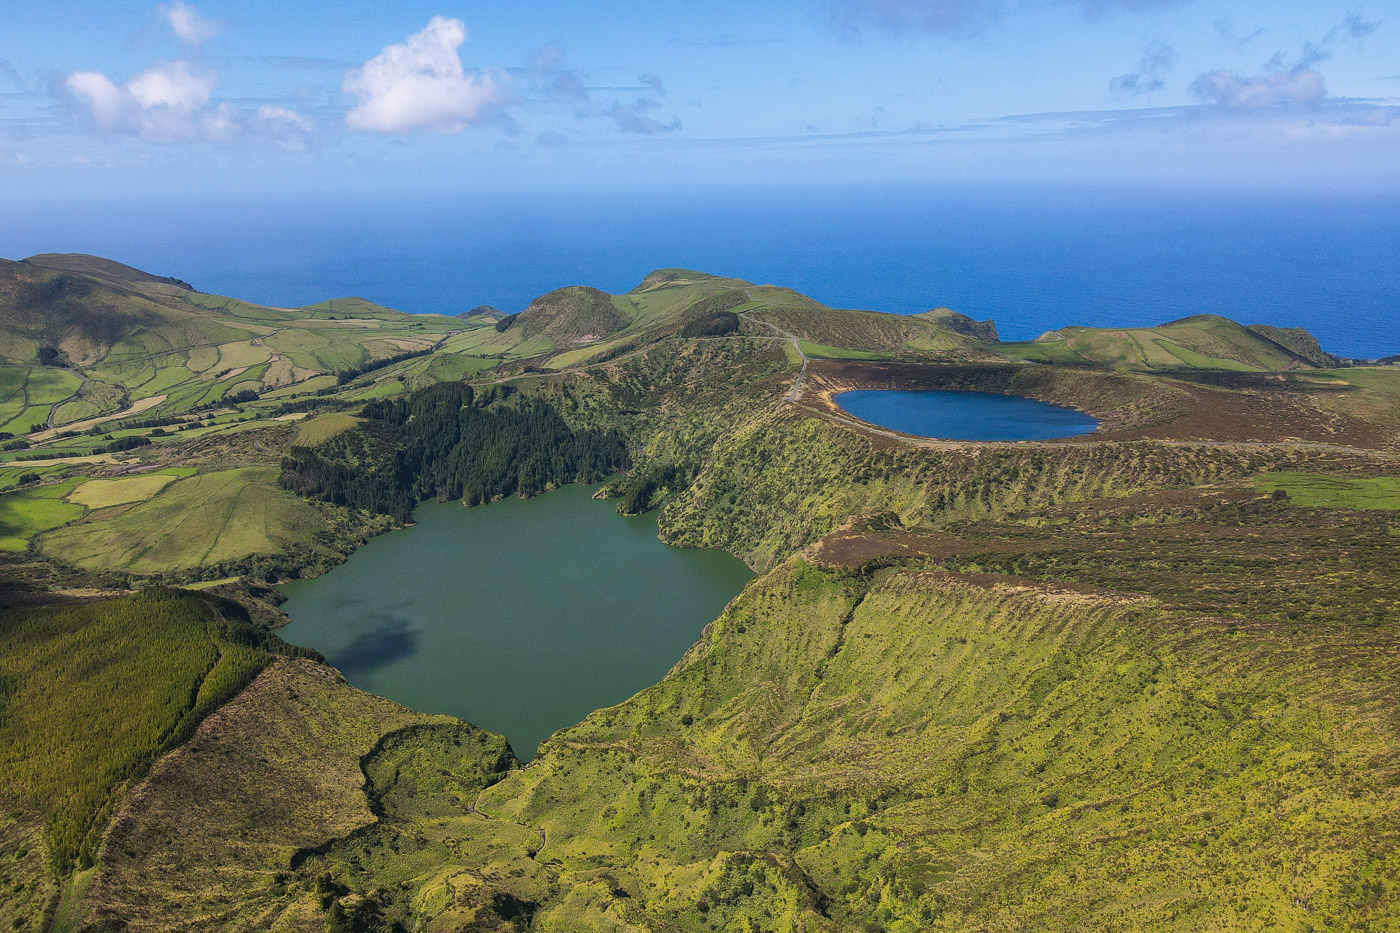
x: 103, y: 493
x: 199, y: 521
x: 28, y: 394
x: 1315, y: 491
x: 821, y: 351
x: 321, y: 429
x: 25, y: 513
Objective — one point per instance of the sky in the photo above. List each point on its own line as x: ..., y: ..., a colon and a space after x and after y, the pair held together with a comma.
x: 233, y: 98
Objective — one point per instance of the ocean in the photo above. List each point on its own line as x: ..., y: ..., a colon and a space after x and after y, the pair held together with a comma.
x: 1031, y: 259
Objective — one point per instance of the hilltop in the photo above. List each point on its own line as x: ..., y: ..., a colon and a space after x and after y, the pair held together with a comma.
x: 82, y: 337
x: 98, y: 268
x: 1202, y: 341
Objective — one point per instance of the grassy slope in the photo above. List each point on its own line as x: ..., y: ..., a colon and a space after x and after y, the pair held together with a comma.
x: 925, y: 752
x: 210, y: 520
x: 1201, y: 342
x: 137, y: 336
x: 25, y: 513
x: 781, y: 482
x: 1312, y: 490
x: 294, y: 743
x: 825, y: 330
x: 90, y: 696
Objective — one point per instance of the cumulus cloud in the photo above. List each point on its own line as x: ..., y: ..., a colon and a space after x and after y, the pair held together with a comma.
x: 171, y: 102
x: 1158, y: 59
x: 1299, y: 86
x: 419, y: 84
x: 188, y: 25
x: 1283, y: 81
x: 160, y: 103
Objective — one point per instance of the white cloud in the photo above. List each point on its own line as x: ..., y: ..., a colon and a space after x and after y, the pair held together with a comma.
x: 107, y: 102
x: 188, y: 25
x: 419, y: 84
x: 171, y: 102
x: 220, y: 124
x: 173, y: 87
x: 281, y: 116
x: 159, y: 103
x: 287, y: 128
x: 1298, y: 86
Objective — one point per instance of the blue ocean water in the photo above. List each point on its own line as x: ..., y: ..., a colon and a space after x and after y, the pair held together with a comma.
x: 1031, y: 259
x: 966, y: 416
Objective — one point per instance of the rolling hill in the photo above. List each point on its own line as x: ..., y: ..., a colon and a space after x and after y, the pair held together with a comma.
x: 84, y: 338
x: 1203, y: 341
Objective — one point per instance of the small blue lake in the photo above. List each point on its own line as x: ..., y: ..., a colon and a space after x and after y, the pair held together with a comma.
x: 965, y: 416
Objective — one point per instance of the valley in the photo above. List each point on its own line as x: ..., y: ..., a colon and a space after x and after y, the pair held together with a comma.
x: 1141, y: 678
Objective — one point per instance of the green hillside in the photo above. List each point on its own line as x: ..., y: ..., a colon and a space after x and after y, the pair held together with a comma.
x: 1298, y: 341
x: 1204, y: 341
x: 118, y: 339
x: 986, y: 331
x: 570, y: 316
x: 105, y: 269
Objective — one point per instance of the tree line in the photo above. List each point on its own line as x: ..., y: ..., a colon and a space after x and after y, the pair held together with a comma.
x: 449, y: 442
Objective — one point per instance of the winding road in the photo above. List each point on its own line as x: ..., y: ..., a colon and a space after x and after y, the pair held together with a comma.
x: 796, y: 345
x: 53, y: 411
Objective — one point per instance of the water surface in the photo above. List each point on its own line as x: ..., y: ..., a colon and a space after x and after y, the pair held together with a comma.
x: 965, y: 416
x: 521, y: 616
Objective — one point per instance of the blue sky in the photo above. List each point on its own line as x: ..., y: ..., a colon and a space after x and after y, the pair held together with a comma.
x: 239, y: 97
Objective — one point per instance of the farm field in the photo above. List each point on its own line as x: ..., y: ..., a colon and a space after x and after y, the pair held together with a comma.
x: 1315, y: 491
x: 102, y: 493
x: 202, y: 520
x: 25, y: 513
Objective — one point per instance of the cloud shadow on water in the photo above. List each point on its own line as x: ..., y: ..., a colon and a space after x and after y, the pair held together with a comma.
x: 377, y: 648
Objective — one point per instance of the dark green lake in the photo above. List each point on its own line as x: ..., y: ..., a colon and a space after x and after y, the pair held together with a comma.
x: 521, y: 616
